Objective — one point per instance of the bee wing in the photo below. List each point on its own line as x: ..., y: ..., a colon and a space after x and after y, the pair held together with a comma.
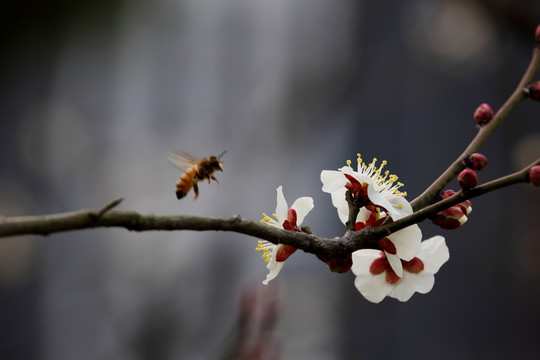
x: 182, y: 160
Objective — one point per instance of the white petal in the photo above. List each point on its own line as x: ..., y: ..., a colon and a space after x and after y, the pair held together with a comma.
x: 433, y: 253
x: 302, y: 206
x: 407, y: 242
x: 378, y: 198
x: 281, y: 207
x: 273, y: 266
x: 403, y: 289
x: 373, y: 287
x: 395, y: 263
x: 400, y: 206
x: 362, y: 260
x: 363, y: 215
x: 338, y: 200
x: 422, y: 282
x: 332, y: 180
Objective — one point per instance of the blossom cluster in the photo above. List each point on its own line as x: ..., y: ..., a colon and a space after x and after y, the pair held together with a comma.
x: 399, y: 265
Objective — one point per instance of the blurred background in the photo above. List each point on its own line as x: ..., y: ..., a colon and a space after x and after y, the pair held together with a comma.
x: 94, y: 94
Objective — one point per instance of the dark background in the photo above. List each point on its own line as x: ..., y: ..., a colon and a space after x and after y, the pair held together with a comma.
x: 94, y: 94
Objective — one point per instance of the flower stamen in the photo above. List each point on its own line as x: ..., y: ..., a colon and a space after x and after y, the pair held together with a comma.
x: 266, y: 247
x: 388, y: 182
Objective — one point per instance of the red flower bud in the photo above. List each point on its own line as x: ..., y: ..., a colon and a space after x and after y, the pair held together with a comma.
x: 537, y: 34
x: 467, y: 179
x: 447, y: 193
x: 477, y: 161
x: 483, y: 114
x: 533, y: 91
x: 340, y: 265
x: 534, y: 175
x: 450, y: 219
x: 464, y: 206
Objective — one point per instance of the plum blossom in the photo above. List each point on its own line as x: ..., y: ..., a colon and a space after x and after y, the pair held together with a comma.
x: 371, y: 187
x: 375, y: 278
x: 374, y: 192
x: 284, y: 218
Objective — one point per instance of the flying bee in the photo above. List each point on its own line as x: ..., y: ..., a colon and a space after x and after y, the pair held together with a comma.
x: 195, y: 170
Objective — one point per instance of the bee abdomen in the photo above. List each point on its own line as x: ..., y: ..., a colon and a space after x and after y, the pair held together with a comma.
x: 185, y: 183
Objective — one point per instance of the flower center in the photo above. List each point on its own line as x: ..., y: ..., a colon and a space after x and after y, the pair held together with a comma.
x: 386, y: 181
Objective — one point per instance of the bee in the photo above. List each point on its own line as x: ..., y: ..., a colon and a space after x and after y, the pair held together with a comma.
x: 194, y: 171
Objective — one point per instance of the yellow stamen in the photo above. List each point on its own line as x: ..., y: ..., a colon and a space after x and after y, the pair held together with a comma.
x: 387, y: 181
x: 266, y: 247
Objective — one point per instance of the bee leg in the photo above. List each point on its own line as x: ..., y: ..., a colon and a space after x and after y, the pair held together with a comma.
x: 214, y: 178
x: 195, y: 190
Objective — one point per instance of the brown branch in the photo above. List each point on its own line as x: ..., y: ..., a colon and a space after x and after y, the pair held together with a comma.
x: 429, y: 196
x: 324, y: 248
x: 133, y: 221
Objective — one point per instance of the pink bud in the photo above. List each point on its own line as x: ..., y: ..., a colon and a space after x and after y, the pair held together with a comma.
x: 537, y: 34
x: 340, y: 265
x: 467, y: 179
x: 447, y: 193
x: 483, y: 114
x: 534, y: 175
x: 477, y: 161
x: 533, y: 91
x: 450, y: 219
x: 464, y: 206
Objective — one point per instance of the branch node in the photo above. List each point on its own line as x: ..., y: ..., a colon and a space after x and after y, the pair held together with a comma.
x: 105, y: 209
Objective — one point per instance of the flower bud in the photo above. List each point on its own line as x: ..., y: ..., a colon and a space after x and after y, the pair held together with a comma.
x: 464, y: 206
x: 340, y: 265
x: 483, y: 114
x: 533, y: 91
x: 537, y: 34
x: 450, y: 219
x: 467, y: 179
x: 534, y: 175
x: 476, y: 161
x: 446, y: 193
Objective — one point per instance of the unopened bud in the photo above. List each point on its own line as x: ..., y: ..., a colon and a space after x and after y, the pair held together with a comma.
x: 533, y: 91
x: 534, y: 175
x: 483, y: 114
x: 537, y: 34
x: 467, y: 179
x: 340, y: 265
x: 476, y: 161
x: 450, y: 219
x: 464, y: 206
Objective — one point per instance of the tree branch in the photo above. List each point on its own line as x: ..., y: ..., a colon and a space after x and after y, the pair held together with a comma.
x: 324, y: 248
x: 429, y: 196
